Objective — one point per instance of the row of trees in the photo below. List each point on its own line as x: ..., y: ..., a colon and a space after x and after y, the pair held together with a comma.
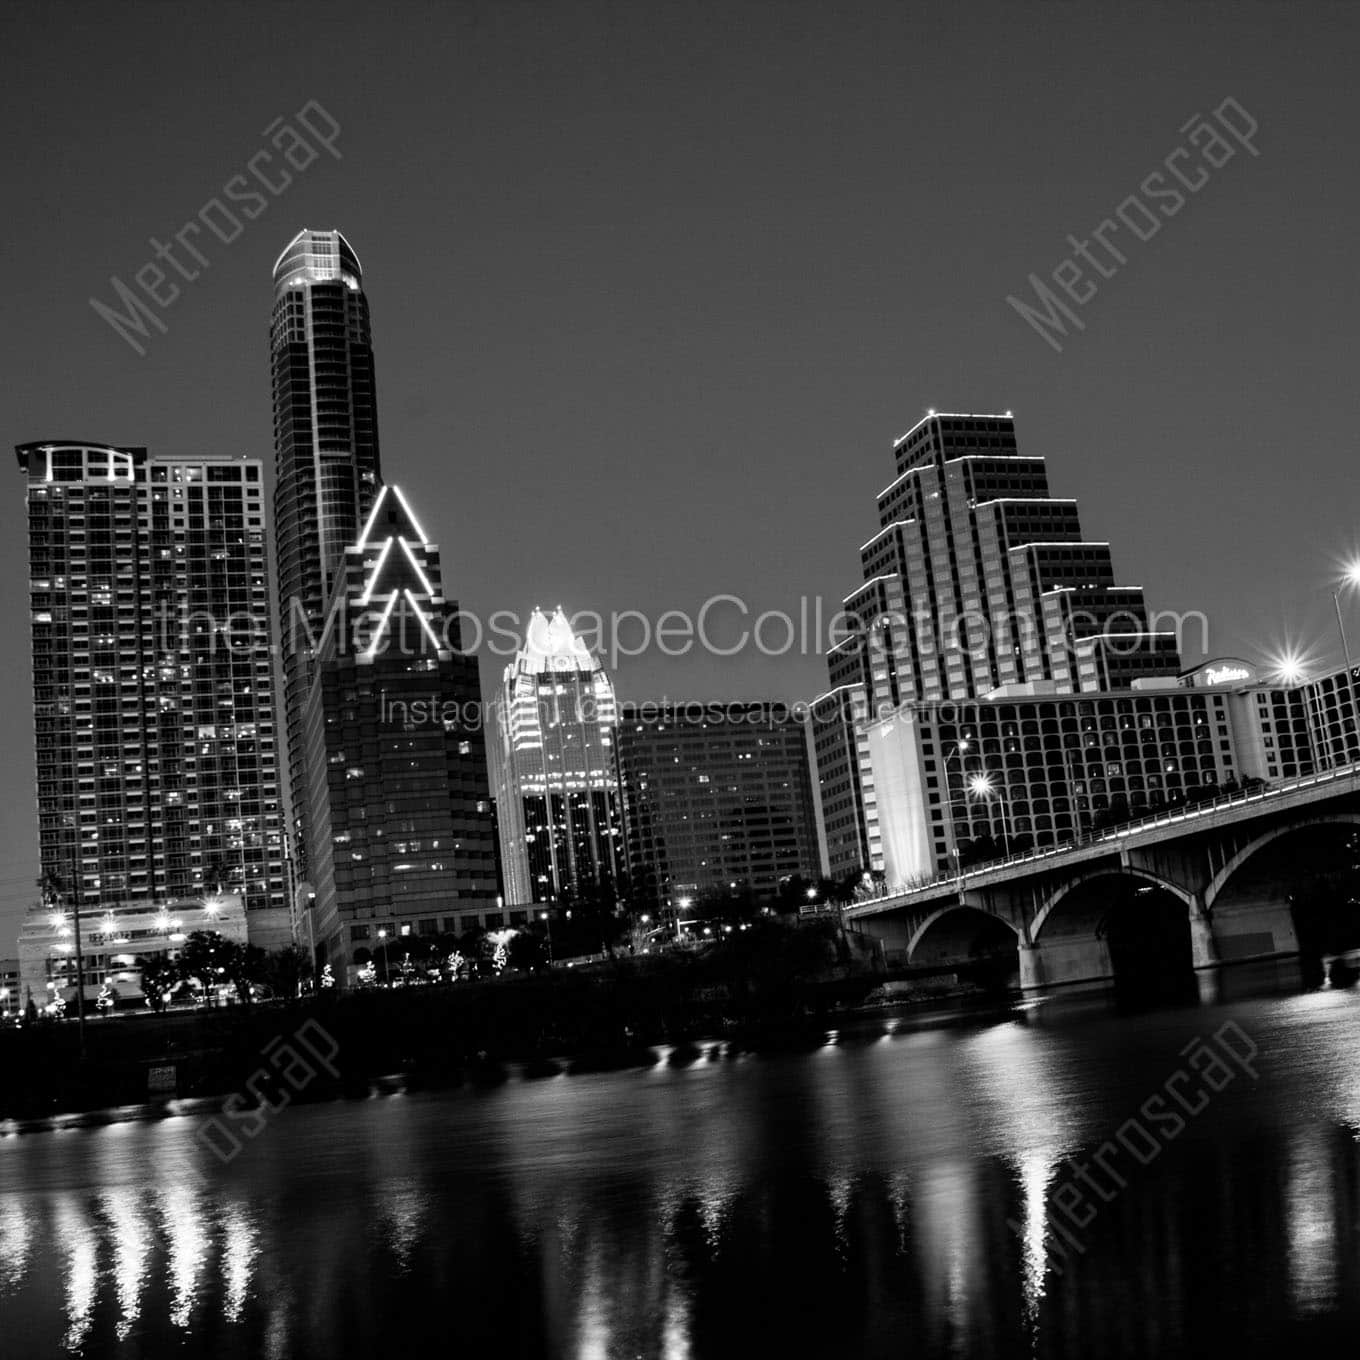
x: 213, y: 961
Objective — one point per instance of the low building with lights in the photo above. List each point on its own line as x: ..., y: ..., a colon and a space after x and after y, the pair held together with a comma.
x: 1023, y: 767
x: 115, y: 942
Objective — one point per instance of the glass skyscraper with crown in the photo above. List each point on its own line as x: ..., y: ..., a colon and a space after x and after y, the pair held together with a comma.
x: 326, y: 465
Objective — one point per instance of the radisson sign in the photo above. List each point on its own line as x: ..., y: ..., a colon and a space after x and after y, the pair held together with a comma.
x: 1225, y: 671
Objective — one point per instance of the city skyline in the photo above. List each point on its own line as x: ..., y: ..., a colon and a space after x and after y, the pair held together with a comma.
x: 1166, y: 457
x: 695, y: 689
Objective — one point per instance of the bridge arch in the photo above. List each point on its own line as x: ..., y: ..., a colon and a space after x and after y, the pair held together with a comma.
x: 1222, y: 878
x: 1055, y: 900
x: 919, y: 933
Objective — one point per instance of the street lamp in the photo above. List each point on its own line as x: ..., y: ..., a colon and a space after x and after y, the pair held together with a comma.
x: 1350, y: 578
x: 981, y: 786
x: 382, y: 937
x: 959, y: 751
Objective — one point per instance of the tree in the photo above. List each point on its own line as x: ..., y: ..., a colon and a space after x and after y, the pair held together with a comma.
x: 210, y: 958
x: 159, y: 976
x: 527, y: 952
x: 286, y: 969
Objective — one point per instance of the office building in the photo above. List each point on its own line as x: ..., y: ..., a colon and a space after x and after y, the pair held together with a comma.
x: 153, y: 683
x: 398, y: 808
x: 556, y: 788
x: 978, y: 578
x: 718, y: 800
x: 326, y: 465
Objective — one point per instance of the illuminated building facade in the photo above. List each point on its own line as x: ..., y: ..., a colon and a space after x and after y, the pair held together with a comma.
x: 1024, y: 769
x: 717, y: 798
x: 398, y: 811
x: 153, y: 682
x: 979, y: 578
x: 115, y: 942
x: 847, y: 810
x: 326, y: 465
x: 556, y: 788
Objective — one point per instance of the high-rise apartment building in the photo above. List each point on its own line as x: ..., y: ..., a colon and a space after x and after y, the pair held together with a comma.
x: 398, y: 810
x: 979, y: 579
x: 717, y: 799
x: 326, y: 466
x: 153, y: 682
x: 556, y: 789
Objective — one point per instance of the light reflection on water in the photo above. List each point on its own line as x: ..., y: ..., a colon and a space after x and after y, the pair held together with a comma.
x: 866, y: 1198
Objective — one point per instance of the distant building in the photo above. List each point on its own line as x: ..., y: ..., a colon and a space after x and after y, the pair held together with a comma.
x: 718, y: 799
x: 398, y: 808
x: 556, y: 788
x: 153, y: 682
x: 12, y: 999
x: 977, y: 578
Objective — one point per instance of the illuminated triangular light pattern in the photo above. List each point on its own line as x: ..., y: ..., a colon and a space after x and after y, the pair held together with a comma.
x: 398, y: 575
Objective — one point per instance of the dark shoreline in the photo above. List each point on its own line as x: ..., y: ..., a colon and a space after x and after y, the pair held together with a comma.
x: 443, y: 1040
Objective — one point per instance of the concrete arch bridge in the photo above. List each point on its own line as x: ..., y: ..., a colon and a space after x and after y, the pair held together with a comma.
x: 1202, y: 887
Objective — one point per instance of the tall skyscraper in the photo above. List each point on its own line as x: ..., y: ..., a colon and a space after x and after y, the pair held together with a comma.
x: 717, y: 797
x: 979, y: 579
x: 326, y: 466
x: 153, y: 682
x: 556, y: 790
x: 398, y: 811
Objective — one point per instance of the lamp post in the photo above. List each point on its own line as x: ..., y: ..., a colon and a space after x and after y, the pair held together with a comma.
x: 982, y: 787
x: 959, y: 751
x: 1351, y: 578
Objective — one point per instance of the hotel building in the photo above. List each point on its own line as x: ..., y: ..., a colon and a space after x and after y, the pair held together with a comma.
x: 557, y: 795
x: 153, y: 683
x: 717, y: 798
x: 1023, y: 768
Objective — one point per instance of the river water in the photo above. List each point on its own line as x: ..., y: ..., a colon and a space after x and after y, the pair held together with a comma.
x: 910, y: 1188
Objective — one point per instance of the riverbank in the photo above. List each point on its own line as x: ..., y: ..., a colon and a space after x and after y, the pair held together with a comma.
x: 628, y: 1014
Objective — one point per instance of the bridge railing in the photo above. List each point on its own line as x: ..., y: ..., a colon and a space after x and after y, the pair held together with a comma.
x: 1163, y: 817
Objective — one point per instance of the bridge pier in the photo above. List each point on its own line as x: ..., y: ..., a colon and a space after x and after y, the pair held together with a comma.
x: 1203, y: 949
x: 1067, y: 960
x: 1261, y: 928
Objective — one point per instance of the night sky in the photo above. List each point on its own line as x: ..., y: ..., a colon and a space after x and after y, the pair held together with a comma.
x: 654, y: 288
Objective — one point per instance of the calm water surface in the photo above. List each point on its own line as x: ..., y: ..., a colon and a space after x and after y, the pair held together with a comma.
x: 886, y: 1195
